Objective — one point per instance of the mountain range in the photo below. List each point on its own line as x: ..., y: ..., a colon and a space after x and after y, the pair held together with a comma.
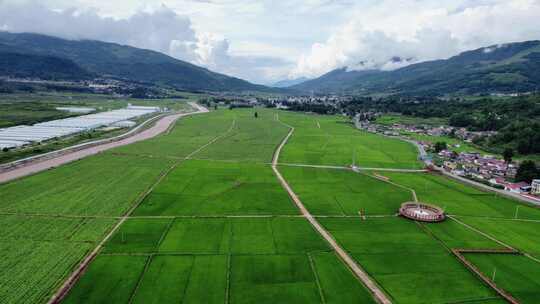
x: 31, y: 55
x: 513, y: 67
x: 505, y: 68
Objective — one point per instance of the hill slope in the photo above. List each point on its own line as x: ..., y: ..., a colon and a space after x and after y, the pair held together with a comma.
x: 43, y: 67
x: 513, y: 67
x: 119, y: 61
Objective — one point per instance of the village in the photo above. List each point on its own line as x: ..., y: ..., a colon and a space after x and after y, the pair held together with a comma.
x: 483, y: 168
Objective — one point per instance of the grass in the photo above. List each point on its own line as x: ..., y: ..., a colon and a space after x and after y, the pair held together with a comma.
x: 218, y: 188
x: 343, y: 192
x: 188, y: 134
x: 252, y: 139
x: 242, y: 236
x: 405, y: 260
x: 333, y: 140
x: 337, y: 282
x: 220, y: 228
x: 518, y: 275
x: 455, y: 235
x: 454, y: 144
x: 184, y: 279
x: 105, y: 185
x: 138, y: 235
x: 522, y: 235
x: 460, y: 199
x: 273, y: 279
x: 109, y: 279
x: 389, y: 120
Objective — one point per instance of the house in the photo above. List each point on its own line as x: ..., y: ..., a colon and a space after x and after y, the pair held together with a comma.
x: 497, y: 181
x: 516, y: 187
x: 535, y: 187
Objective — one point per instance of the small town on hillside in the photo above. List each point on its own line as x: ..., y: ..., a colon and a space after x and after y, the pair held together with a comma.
x: 484, y: 168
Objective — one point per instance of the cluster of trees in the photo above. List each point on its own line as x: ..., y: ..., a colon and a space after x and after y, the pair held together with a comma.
x: 515, y: 119
x: 527, y: 171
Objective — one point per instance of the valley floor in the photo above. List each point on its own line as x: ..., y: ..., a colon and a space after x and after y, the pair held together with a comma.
x: 198, y: 216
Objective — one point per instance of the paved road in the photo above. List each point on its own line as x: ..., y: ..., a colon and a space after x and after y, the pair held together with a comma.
x: 161, y: 126
x: 378, y: 294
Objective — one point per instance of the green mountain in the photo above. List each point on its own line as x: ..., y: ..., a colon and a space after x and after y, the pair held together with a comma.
x: 43, y: 67
x: 513, y: 67
x: 119, y: 61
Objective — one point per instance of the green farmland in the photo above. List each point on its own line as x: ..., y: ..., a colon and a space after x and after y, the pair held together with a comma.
x: 206, y: 220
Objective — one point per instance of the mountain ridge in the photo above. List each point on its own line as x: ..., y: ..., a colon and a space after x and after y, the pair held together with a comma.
x: 511, y: 67
x: 124, y: 62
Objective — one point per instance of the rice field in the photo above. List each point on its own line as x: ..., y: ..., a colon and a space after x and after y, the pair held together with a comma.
x: 333, y: 140
x: 219, y: 227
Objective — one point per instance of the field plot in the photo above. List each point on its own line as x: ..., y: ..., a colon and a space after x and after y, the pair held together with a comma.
x: 242, y: 236
x: 218, y: 188
x: 209, y: 260
x: 343, y: 192
x: 333, y: 140
x: 104, y: 185
x: 459, y: 199
x: 455, y: 235
x: 36, y: 253
x: 188, y: 134
x: 31, y: 270
x: 252, y: 139
x: 409, y: 264
x: 518, y: 275
x: 522, y: 235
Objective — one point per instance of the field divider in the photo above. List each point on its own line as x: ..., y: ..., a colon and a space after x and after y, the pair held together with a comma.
x: 386, y: 180
x: 459, y: 254
x: 77, y: 274
x: 360, y: 273
x: 139, y: 281
x: 228, y: 287
x: 317, y: 280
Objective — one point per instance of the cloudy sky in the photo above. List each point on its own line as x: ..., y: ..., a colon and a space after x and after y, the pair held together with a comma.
x: 268, y: 40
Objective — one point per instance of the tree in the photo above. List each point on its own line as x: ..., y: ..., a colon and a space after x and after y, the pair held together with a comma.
x: 508, y: 154
x: 256, y: 115
x: 439, y: 146
x: 527, y: 171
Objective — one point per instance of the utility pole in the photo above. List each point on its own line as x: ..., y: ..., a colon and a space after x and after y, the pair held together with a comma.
x: 494, y: 273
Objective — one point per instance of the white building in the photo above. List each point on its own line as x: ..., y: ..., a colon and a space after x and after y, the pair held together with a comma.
x: 535, y: 186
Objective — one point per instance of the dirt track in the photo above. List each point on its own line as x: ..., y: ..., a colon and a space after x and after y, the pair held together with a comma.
x: 161, y: 126
x: 360, y: 273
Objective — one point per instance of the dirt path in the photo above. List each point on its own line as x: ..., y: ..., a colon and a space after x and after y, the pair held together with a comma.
x: 377, y: 293
x: 161, y: 126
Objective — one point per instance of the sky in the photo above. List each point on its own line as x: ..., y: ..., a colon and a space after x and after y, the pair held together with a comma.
x: 265, y: 41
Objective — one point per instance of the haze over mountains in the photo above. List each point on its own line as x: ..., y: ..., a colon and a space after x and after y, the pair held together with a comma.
x: 513, y: 67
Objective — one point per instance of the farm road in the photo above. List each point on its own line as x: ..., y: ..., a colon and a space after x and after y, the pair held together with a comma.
x: 377, y: 292
x: 162, y: 125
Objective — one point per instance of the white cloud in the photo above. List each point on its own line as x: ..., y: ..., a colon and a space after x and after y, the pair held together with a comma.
x: 419, y: 30
x: 267, y: 40
x: 160, y: 29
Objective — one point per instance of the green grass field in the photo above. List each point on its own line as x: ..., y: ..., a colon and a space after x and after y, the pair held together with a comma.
x: 333, y: 140
x: 219, y: 228
x: 459, y: 199
x: 518, y: 275
x: 343, y: 192
x: 218, y: 188
x: 410, y: 265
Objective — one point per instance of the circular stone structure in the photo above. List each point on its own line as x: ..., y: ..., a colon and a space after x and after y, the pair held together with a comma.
x: 422, y: 212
